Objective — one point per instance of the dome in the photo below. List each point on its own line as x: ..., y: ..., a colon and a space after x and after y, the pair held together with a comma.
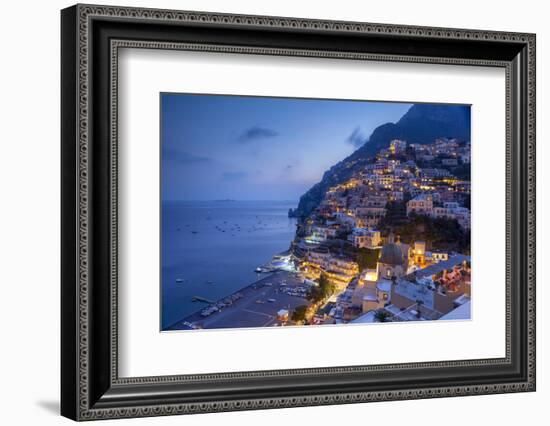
x: 391, y: 254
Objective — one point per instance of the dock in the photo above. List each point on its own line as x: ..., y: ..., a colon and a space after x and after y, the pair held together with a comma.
x: 202, y: 299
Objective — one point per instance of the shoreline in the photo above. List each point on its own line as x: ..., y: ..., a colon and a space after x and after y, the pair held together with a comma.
x: 254, y: 305
x: 206, y: 304
x: 241, y: 225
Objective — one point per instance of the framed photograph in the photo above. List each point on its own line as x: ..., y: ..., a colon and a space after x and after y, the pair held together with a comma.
x: 263, y: 212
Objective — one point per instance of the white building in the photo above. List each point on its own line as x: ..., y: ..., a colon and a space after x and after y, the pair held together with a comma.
x: 398, y: 146
x: 345, y: 219
x: 421, y: 204
x: 449, y: 162
x: 320, y: 233
x: 436, y: 256
x: 451, y: 210
x: 434, y: 173
x: 365, y: 238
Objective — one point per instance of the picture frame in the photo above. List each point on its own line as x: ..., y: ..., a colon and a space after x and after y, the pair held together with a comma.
x: 90, y: 384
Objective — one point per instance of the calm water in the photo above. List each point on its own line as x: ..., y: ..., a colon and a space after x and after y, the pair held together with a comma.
x: 218, y: 241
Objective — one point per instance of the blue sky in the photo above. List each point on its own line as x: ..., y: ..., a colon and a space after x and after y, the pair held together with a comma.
x: 255, y: 148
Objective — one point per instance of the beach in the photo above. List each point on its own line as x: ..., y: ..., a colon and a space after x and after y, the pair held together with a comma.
x: 212, y: 248
x: 256, y: 306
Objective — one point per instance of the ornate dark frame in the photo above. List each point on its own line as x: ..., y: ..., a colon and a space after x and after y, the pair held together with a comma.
x: 91, y: 37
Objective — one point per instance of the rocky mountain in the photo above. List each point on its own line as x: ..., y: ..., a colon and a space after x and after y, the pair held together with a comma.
x: 422, y: 123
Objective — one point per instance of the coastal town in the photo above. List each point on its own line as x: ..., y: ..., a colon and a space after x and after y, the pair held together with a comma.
x: 391, y: 243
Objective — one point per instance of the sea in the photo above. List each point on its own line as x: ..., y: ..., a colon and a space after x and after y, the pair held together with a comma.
x: 211, y: 249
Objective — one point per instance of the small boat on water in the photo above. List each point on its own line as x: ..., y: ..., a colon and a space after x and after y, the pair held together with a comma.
x: 258, y: 270
x: 179, y: 280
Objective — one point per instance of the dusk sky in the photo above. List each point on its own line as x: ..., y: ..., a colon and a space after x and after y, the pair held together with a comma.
x: 254, y: 148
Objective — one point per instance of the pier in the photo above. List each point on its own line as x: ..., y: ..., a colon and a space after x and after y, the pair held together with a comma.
x: 202, y: 299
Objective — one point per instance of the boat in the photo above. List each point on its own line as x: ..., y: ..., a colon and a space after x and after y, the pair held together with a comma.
x: 258, y: 270
x: 179, y: 280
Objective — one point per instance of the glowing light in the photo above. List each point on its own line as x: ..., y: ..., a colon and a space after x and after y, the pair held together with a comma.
x: 370, y: 276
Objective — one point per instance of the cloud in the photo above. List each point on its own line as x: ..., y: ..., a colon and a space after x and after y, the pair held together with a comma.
x: 256, y: 133
x: 291, y: 167
x: 356, y: 138
x: 183, y: 157
x: 233, y: 176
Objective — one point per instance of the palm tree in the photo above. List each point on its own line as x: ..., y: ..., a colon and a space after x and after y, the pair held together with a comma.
x: 419, y: 303
x: 381, y: 316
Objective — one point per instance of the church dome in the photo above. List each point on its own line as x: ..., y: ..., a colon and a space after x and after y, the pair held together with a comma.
x: 391, y: 255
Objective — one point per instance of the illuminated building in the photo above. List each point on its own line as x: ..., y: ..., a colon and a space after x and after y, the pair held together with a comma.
x: 398, y: 146
x: 365, y: 238
x: 421, y: 204
x: 417, y: 254
x: 393, y: 260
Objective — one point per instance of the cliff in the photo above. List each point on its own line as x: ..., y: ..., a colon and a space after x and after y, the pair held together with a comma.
x: 422, y: 123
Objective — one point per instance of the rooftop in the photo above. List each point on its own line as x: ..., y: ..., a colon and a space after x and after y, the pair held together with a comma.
x: 367, y: 318
x: 391, y: 254
x: 423, y: 197
x: 455, y: 259
x: 415, y: 292
x: 463, y: 312
x: 384, y: 285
